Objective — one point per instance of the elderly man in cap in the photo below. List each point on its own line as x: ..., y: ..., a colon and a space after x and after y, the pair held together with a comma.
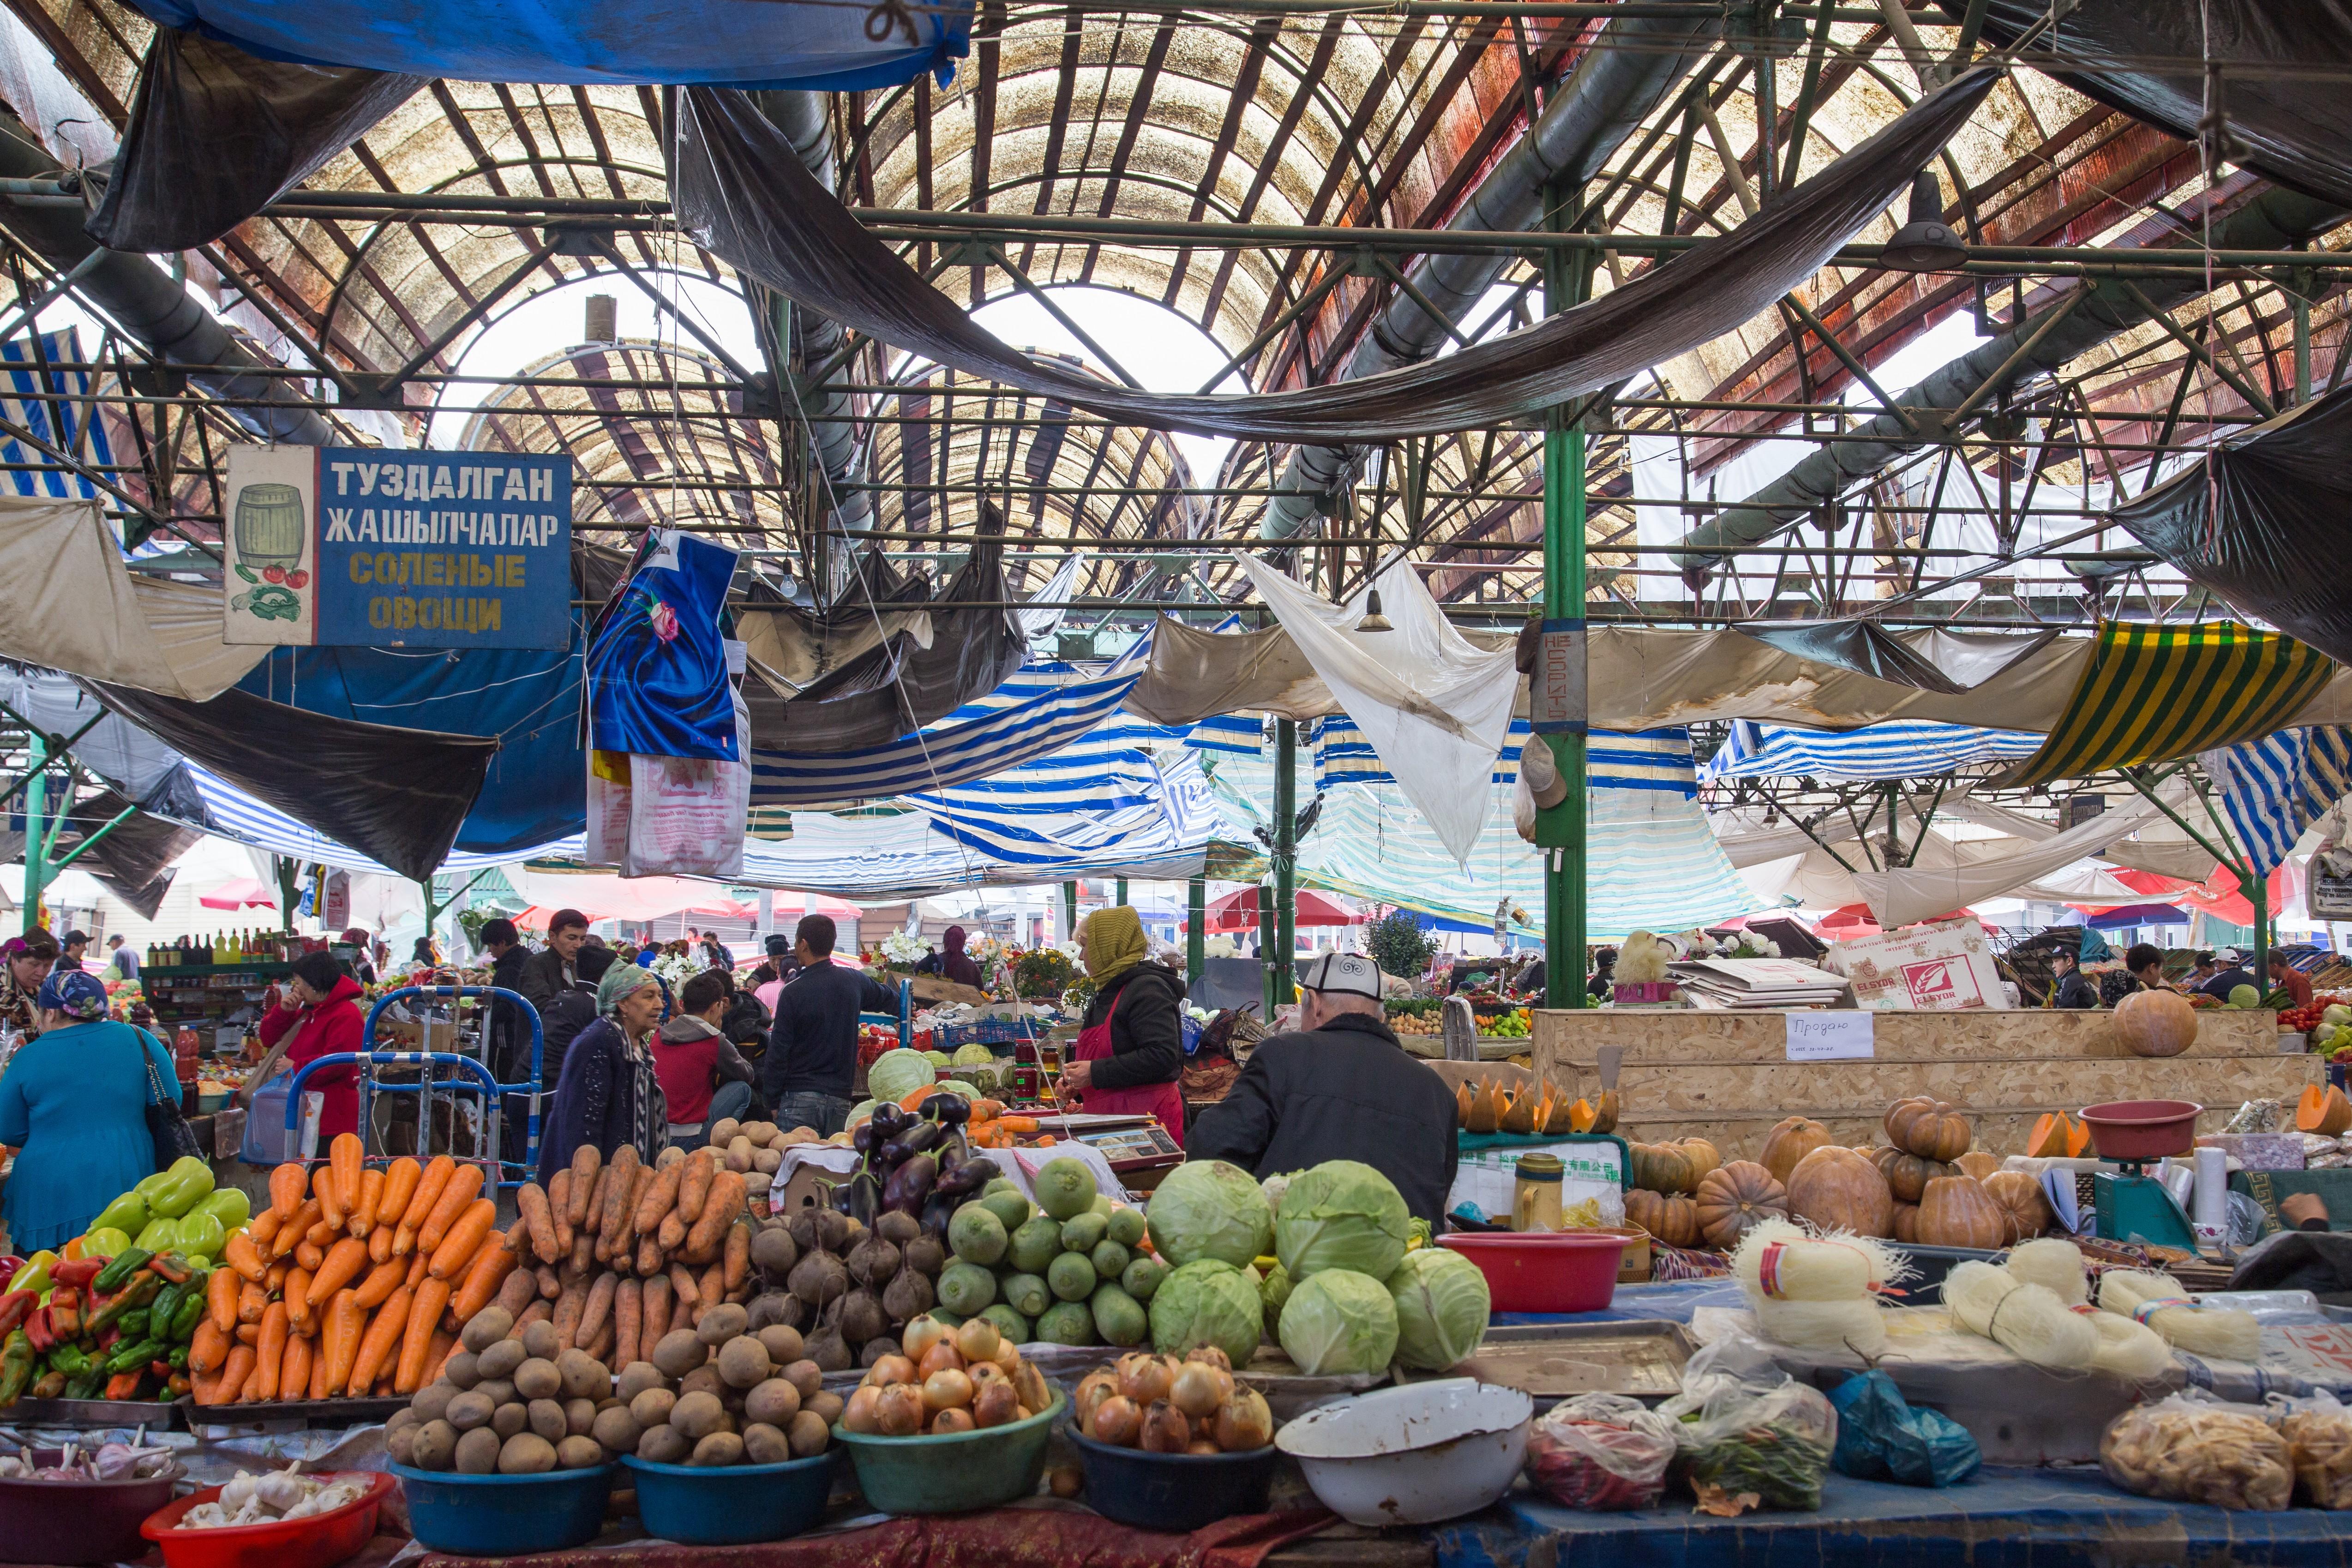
x: 1339, y: 1086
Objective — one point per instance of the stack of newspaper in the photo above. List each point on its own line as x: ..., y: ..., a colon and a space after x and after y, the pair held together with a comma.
x: 1756, y: 983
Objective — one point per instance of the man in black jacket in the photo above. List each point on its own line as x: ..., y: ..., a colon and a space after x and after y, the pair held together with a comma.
x: 557, y: 967
x: 813, y: 1050
x: 1338, y: 1087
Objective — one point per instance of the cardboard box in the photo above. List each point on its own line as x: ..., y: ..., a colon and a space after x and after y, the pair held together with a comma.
x: 1940, y: 968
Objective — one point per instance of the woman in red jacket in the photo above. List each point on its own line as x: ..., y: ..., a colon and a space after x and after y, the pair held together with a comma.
x: 321, y: 1018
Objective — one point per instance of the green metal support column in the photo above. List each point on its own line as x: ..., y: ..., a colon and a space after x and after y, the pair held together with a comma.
x: 1196, y: 915
x: 1562, y: 837
x: 37, y: 860
x: 1069, y: 911
x: 1286, y: 855
x: 1265, y: 944
x: 1122, y: 891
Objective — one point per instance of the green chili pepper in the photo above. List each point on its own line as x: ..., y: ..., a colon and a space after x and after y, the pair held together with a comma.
x: 85, y: 1384
x: 133, y: 1323
x: 130, y: 1355
x: 71, y: 1360
x: 189, y: 1313
x: 112, y: 1277
x: 136, y: 1294
x: 179, y: 1356
x: 15, y: 1367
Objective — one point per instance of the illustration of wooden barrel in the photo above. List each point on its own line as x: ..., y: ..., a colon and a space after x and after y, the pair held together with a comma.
x: 270, y: 529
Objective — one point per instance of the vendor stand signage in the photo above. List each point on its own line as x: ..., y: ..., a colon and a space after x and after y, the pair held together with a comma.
x: 355, y: 546
x: 1831, y: 1036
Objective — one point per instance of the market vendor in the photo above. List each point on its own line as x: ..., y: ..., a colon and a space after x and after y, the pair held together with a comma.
x: 610, y: 1093
x: 813, y: 1049
x: 2297, y: 984
x: 955, y: 965
x: 703, y: 1076
x: 556, y: 966
x: 28, y: 960
x: 319, y: 1017
x: 2226, y: 979
x: 1340, y: 1087
x: 73, y: 1104
x: 2146, y: 963
x: 2069, y: 989
x: 1130, y: 1047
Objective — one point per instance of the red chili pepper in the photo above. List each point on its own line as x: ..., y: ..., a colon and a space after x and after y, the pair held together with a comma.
x: 14, y: 1308
x: 125, y: 1385
x: 79, y: 1271
x: 40, y: 1328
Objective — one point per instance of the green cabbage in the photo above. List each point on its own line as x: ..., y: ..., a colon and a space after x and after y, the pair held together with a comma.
x: 2245, y: 996
x: 1341, y: 1215
x: 861, y: 1111
x: 1442, y: 1302
x: 1340, y: 1321
x: 972, y: 1056
x: 897, y: 1074
x: 1272, y: 1292
x: 1208, y: 1209
x: 1208, y: 1303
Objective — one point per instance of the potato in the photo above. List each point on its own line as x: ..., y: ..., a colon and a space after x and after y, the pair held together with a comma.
x: 765, y: 1445
x: 485, y: 1328
x: 759, y: 1133
x: 526, y: 1454
x: 724, y: 1131
x: 743, y: 1361
x: 664, y: 1446
x: 428, y: 1402
x: 703, y: 1380
x: 698, y: 1415
x: 783, y: 1344
x: 462, y: 1369
x: 651, y: 1406
x: 720, y: 1323
x: 808, y: 1434
x: 497, y: 1390
x: 739, y: 1155
x: 719, y: 1448
x: 400, y: 1442
x: 435, y: 1446
x: 579, y: 1418
x: 509, y: 1419
x: 499, y: 1360
x: 804, y: 1375
x: 540, y: 1339
x: 405, y: 1416
x: 584, y: 1377
x: 468, y: 1410
x: 609, y: 1403
x: 546, y: 1417
x: 767, y: 1162
x: 477, y: 1452
x: 670, y: 1155
x: 774, y: 1403
x: 616, y: 1431
x: 636, y: 1377
x: 537, y: 1379
x: 824, y: 1406
x: 680, y: 1353
x: 578, y: 1454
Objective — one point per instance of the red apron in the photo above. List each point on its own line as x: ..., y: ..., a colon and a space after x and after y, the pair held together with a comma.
x: 1164, y: 1101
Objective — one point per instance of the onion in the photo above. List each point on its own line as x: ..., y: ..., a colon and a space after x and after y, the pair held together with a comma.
x: 1165, y: 1430
x: 1194, y: 1390
x: 921, y: 1336
x: 978, y: 1340
x: 939, y: 1358
x: 1212, y: 1354
x: 891, y: 1369
x: 1244, y: 1422
x: 1008, y: 1355
x: 1144, y: 1377
x: 1117, y: 1421
x: 946, y: 1389
x: 993, y: 1404
x: 987, y: 1372
x: 1094, y: 1388
x: 955, y: 1418
x: 862, y: 1414
x: 899, y: 1411
x: 1202, y: 1446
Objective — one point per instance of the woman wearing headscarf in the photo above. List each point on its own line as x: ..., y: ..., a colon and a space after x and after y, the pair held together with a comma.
x: 609, y: 1094
x: 25, y: 963
x: 73, y: 1104
x: 320, y: 1017
x: 1130, y: 1045
x: 955, y: 964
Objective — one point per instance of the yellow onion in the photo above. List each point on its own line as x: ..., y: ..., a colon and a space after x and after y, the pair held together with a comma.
x: 890, y: 1369
x: 954, y: 1419
x: 861, y: 1413
x: 1244, y: 1422
x: 946, y: 1389
x: 1194, y: 1390
x: 1202, y: 1446
x: 938, y: 1357
x: 1092, y: 1389
x: 1212, y: 1354
x: 898, y: 1413
x: 1165, y: 1430
x: 920, y: 1336
x: 993, y: 1404
x: 1144, y: 1377
x: 1117, y: 1421
x: 977, y: 1339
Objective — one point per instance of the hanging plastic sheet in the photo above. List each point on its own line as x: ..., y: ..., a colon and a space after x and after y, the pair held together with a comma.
x: 135, y: 858
x: 215, y: 135
x: 587, y: 43
x: 2148, y: 58
x: 656, y: 666
x: 1862, y: 646
x: 2273, y: 788
x: 745, y: 196
x: 397, y: 795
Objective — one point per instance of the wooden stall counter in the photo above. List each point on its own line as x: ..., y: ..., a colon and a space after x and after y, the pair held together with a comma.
x: 1728, y: 1076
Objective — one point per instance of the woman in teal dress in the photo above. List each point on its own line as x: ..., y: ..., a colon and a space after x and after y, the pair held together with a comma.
x: 73, y: 1104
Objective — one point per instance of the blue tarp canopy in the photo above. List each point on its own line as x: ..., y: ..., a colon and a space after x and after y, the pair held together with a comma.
x: 590, y: 43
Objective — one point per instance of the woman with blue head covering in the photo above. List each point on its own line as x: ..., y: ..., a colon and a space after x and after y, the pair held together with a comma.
x: 73, y: 1104
x: 609, y: 1094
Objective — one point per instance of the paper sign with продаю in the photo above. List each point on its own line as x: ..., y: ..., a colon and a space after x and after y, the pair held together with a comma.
x: 1837, y: 1035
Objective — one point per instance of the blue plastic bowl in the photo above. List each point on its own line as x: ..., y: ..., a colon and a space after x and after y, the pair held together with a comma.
x: 732, y: 1504
x: 1176, y: 1493
x: 505, y: 1516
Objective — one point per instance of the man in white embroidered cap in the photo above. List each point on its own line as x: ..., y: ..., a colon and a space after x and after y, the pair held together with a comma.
x: 1339, y: 1086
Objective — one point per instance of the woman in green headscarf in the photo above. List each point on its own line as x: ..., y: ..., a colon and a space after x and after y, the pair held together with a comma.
x: 1130, y: 1046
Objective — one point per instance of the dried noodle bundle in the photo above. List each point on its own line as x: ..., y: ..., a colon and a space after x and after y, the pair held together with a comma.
x: 2054, y: 1263
x: 2158, y: 1301
x: 2028, y: 1319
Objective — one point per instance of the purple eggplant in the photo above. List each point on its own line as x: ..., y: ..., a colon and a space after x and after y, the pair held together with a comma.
x: 914, y: 1140
x: 862, y: 1139
x: 888, y: 1119
x: 910, y: 1184
x: 948, y: 1109
x: 965, y: 1180
x: 937, y: 1211
x: 864, y: 1197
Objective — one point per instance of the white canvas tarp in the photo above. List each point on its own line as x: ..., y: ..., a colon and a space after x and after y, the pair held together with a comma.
x: 1911, y: 893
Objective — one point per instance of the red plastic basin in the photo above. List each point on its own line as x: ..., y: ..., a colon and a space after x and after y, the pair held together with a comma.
x: 2141, y: 1129
x: 318, y: 1541
x: 1544, y: 1271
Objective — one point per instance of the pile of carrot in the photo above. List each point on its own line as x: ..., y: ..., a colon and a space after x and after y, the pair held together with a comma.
x: 352, y: 1281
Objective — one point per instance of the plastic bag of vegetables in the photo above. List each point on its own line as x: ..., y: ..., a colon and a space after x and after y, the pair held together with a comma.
x: 1748, y: 1445
x: 1601, y: 1451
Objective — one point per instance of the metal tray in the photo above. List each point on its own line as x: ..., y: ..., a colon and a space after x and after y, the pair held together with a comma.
x: 293, y: 1414
x: 1554, y: 1362
x: 93, y: 1414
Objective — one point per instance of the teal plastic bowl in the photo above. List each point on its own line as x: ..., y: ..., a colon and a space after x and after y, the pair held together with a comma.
x: 730, y: 1505
x: 505, y: 1516
x: 955, y: 1474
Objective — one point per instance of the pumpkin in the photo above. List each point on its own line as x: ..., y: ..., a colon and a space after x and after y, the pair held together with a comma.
x: 1525, y: 1114
x: 1461, y: 1104
x: 1735, y: 1197
x: 1956, y: 1211
x: 1604, y: 1112
x: 2057, y: 1136
x: 1672, y: 1219
x: 1661, y: 1168
x: 1486, y: 1108
x: 1703, y: 1157
x: 2021, y: 1198
x: 1907, y: 1176
x: 1906, y: 1223
x: 2155, y: 1023
x: 1977, y: 1163
x: 1837, y: 1189
x: 1560, y: 1116
x: 2323, y: 1109
x: 1789, y: 1141
x: 1927, y: 1128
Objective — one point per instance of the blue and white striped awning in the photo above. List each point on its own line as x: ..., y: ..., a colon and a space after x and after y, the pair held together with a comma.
x: 66, y: 420
x: 2273, y: 788
x: 1234, y: 734
x: 229, y: 811
x: 1890, y: 750
x: 1652, y: 759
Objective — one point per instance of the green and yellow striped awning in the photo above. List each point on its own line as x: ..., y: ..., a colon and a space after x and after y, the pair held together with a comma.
x: 2150, y: 694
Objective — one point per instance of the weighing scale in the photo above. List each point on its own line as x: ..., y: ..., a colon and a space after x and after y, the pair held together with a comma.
x: 2132, y: 1204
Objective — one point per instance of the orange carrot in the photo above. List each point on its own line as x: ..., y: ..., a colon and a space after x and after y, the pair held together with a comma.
x: 343, y: 1263
x: 484, y: 1275
x: 307, y: 1256
x: 235, y: 1372
x: 319, y: 1368
x: 558, y: 1203
x: 220, y: 1297
x: 417, y: 1337
x: 418, y: 1262
x: 208, y: 1351
x: 252, y: 1300
x: 339, y: 1344
x: 585, y: 1160
x: 287, y: 1184
x: 271, y: 1349
x: 333, y: 1201
x: 597, y: 1314
x: 464, y: 1183
x: 203, y: 1387
x: 694, y: 1187
x: 465, y: 1237
x: 658, y: 1199
x: 653, y: 1312
x: 242, y: 1257
x: 383, y: 1337
x: 628, y: 1318
x: 530, y: 1202
x: 436, y: 1355
x: 379, y: 1242
x: 400, y: 1179
x: 435, y: 1176
x: 362, y: 1219
x: 299, y: 1310
x: 347, y: 1155
x: 323, y: 1234
x: 262, y: 1230
x: 294, y: 1371
x: 298, y: 1225
x: 382, y: 1281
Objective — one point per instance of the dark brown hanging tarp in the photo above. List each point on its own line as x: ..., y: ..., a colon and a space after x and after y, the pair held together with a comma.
x: 2260, y: 522
x: 396, y: 795
x: 742, y: 193
x: 1862, y: 646
x: 2145, y: 58
x: 134, y: 859
x: 216, y: 134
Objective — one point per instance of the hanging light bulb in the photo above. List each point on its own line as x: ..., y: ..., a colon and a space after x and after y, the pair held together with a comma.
x: 1373, y: 620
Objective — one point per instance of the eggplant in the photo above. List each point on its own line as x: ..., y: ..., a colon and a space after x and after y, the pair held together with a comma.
x: 965, y: 1180
x: 888, y: 1119
x: 862, y: 1139
x: 915, y: 1139
x: 937, y: 1211
x: 950, y: 1110
x: 860, y: 1197
x: 910, y: 1184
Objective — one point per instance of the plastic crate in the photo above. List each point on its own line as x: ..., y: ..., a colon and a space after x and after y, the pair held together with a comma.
x: 986, y: 1032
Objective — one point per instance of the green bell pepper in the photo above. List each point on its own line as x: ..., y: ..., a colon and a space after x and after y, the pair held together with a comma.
x: 159, y: 1235
x: 227, y: 1205
x: 100, y: 1242
x: 172, y: 1193
x: 71, y: 1360
x: 188, y: 1313
x: 128, y: 1213
x: 199, y: 1234
x: 35, y: 1276
x: 111, y: 1277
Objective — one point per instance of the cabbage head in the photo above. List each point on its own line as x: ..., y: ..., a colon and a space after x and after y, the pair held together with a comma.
x: 2245, y: 996
x: 1341, y: 1215
x: 897, y: 1074
x: 1442, y: 1302
x: 1339, y: 1322
x: 1207, y: 1303
x: 973, y: 1055
x: 1272, y: 1292
x: 1208, y: 1209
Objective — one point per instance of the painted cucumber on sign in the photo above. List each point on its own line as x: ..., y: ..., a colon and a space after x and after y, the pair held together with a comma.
x: 352, y: 545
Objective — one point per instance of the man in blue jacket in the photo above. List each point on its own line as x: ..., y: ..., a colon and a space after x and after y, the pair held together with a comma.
x: 812, y: 1047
